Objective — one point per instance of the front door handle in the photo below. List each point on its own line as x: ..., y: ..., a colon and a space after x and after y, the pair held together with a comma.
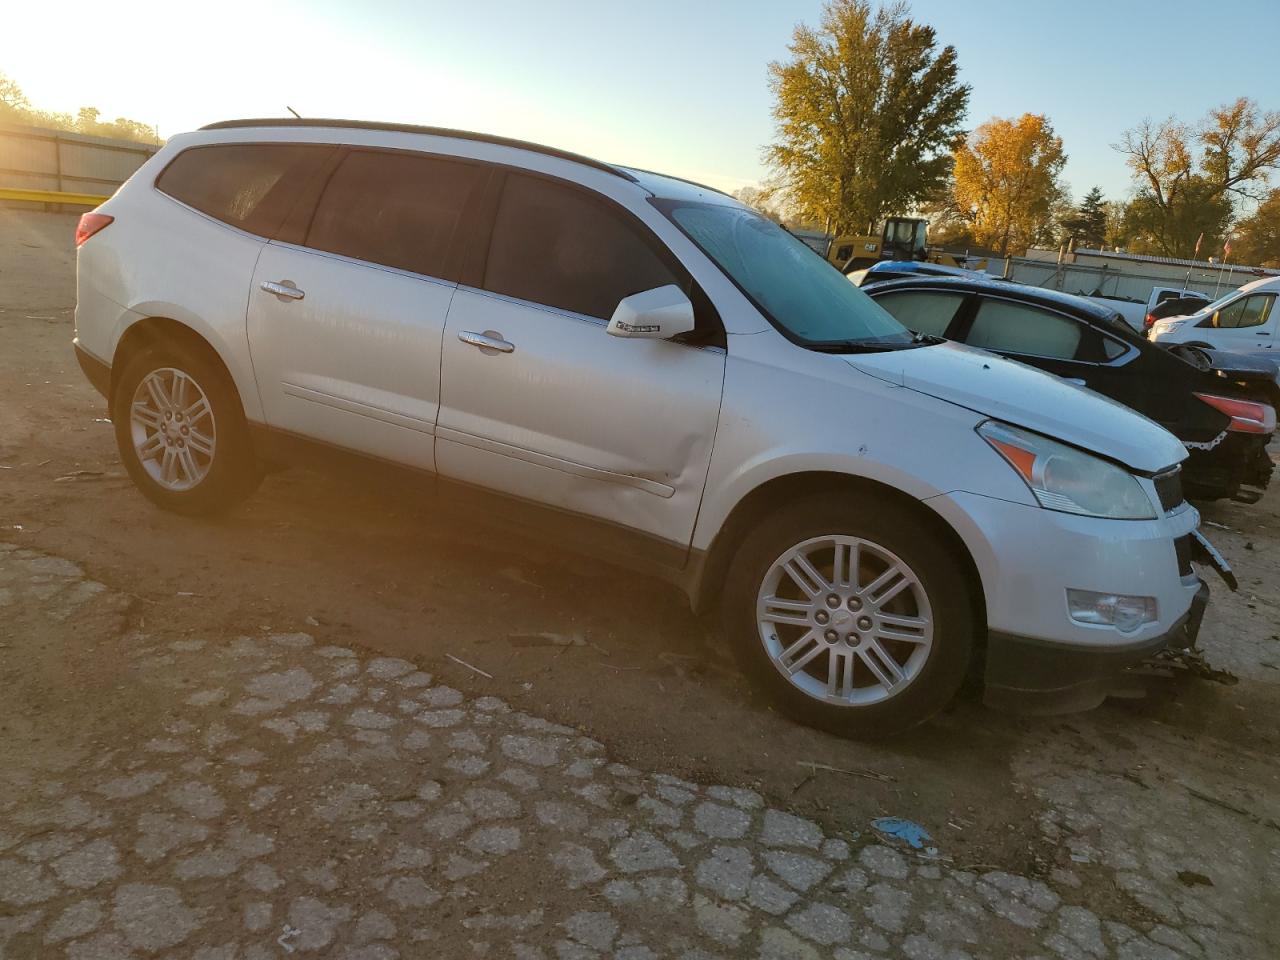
x: 490, y: 340
x: 1262, y: 333
x: 283, y: 289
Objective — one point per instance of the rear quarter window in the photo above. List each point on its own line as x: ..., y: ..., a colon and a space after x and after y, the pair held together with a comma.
x: 247, y: 185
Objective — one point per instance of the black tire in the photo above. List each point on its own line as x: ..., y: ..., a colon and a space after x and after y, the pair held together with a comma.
x: 939, y: 573
x: 232, y: 471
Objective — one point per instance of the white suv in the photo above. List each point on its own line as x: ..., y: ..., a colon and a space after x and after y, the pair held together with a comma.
x: 651, y: 371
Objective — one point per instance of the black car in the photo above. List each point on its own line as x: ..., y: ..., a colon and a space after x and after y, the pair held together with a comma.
x: 1220, y: 405
x: 1182, y: 306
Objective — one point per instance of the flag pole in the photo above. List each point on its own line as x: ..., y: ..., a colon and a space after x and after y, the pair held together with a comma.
x: 1194, y: 256
x: 1226, y: 255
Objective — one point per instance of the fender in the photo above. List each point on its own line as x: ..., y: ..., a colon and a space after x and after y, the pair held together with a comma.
x: 234, y: 355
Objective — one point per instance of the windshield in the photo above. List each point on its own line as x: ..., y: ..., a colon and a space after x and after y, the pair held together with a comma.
x: 907, y: 234
x: 805, y: 297
x: 1218, y: 304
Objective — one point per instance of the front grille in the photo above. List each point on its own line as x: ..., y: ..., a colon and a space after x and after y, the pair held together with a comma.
x: 1169, y: 489
x: 1182, y: 547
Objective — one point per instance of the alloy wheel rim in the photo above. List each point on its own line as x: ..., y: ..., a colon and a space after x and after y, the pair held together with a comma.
x: 844, y: 620
x: 173, y: 429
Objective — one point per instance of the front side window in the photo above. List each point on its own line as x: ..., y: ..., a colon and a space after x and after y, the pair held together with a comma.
x: 557, y: 246
x: 1006, y: 327
x: 396, y: 209
x: 923, y: 311
x: 247, y: 185
x: 1250, y: 311
x: 805, y: 297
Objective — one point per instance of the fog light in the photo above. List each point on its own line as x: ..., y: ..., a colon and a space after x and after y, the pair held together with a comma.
x: 1126, y: 614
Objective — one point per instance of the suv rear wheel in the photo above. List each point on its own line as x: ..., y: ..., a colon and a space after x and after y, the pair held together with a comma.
x: 853, y: 616
x: 181, y: 431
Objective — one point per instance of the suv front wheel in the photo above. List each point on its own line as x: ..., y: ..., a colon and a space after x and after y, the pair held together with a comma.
x: 854, y: 616
x: 181, y: 431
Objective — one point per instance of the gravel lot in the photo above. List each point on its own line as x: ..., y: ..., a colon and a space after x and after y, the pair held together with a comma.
x: 249, y: 737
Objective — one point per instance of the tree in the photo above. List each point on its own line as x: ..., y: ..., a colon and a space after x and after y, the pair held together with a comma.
x: 1086, y: 224
x: 1189, y: 178
x: 949, y: 226
x: 1115, y: 233
x: 15, y: 108
x: 11, y: 97
x: 1006, y: 180
x: 1172, y: 229
x: 759, y: 200
x: 865, y: 109
x: 1257, y: 238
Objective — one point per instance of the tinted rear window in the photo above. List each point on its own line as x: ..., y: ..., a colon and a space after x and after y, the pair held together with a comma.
x: 248, y: 185
x: 397, y: 209
x: 1007, y: 327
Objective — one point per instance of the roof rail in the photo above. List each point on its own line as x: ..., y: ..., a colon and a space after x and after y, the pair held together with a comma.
x: 692, y: 183
x: 433, y: 131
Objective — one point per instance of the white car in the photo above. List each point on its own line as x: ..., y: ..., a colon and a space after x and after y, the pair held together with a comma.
x: 651, y: 371
x: 1243, y: 321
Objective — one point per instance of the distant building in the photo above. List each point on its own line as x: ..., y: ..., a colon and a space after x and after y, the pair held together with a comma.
x: 1127, y: 276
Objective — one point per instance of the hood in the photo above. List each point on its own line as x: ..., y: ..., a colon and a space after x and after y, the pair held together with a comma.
x: 1027, y: 397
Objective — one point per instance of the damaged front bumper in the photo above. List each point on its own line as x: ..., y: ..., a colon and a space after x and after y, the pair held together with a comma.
x: 1024, y: 675
x: 1041, y: 677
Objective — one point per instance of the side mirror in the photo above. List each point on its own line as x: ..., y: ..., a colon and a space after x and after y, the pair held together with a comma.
x: 657, y: 314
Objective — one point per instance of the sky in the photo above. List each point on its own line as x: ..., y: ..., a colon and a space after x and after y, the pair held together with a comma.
x: 679, y: 86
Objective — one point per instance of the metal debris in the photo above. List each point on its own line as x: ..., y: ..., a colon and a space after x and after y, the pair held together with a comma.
x: 289, y: 933
x: 464, y: 663
x: 865, y: 774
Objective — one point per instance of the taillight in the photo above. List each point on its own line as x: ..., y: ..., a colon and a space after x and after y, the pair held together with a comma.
x: 1247, y: 416
x: 90, y: 223
x: 1149, y: 321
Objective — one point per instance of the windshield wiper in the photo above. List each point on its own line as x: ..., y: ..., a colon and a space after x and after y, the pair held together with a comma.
x: 869, y: 345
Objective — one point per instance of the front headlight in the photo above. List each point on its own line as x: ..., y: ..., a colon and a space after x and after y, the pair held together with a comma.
x: 1066, y: 479
x: 1167, y: 326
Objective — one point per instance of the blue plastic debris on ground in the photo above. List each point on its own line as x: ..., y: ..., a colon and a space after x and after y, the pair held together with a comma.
x: 903, y: 829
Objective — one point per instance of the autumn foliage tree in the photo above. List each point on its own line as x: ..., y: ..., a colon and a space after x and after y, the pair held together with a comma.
x: 1257, y: 236
x: 865, y: 110
x: 1190, y: 179
x: 1006, y: 181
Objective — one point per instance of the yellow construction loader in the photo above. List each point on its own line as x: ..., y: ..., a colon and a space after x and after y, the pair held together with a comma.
x: 900, y: 238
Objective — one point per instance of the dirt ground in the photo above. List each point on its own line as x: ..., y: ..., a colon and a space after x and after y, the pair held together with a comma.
x: 1154, y: 823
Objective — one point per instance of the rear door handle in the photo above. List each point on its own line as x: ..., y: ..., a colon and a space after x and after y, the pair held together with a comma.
x: 489, y: 340
x: 283, y: 289
x: 1262, y: 333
